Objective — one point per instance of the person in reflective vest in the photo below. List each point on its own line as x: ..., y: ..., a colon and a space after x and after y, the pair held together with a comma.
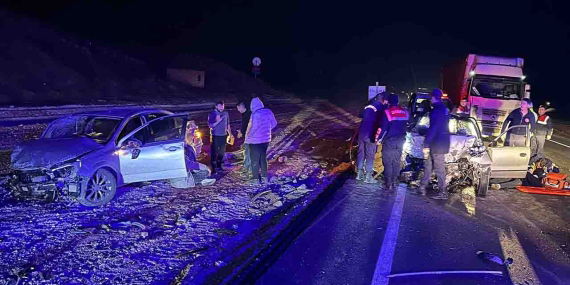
x: 542, y: 130
x: 393, y: 135
x: 367, y: 140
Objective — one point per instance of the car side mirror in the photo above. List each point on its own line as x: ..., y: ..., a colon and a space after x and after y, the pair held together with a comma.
x: 131, y: 144
x: 135, y: 153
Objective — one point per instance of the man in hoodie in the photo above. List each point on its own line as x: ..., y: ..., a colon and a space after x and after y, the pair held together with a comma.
x: 393, y: 135
x: 245, y: 115
x: 367, y: 139
x: 258, y: 136
x: 522, y: 116
x: 219, y: 123
x: 436, y: 145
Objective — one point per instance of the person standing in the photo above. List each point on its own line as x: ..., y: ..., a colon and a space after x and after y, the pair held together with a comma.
x: 258, y: 136
x: 519, y: 117
x: 219, y: 124
x: 543, y: 130
x: 436, y: 145
x: 367, y: 140
x: 393, y: 135
x: 245, y: 116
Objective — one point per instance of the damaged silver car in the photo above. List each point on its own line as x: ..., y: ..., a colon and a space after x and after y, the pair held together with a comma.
x: 470, y: 160
x: 87, y: 156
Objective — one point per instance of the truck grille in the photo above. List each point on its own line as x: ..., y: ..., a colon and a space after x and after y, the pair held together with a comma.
x: 491, y: 128
x: 494, y: 112
x: 494, y: 124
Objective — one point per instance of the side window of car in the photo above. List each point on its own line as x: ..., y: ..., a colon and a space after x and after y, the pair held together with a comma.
x: 131, y: 125
x: 166, y: 129
x: 152, y: 116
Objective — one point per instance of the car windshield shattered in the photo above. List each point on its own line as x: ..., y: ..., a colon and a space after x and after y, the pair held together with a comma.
x: 98, y: 128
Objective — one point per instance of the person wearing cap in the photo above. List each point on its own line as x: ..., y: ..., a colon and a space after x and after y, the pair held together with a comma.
x: 436, y: 145
x: 522, y: 116
x: 542, y: 130
x: 393, y: 135
x: 367, y: 134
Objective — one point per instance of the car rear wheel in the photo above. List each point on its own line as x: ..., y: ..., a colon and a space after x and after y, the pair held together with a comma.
x: 99, y: 189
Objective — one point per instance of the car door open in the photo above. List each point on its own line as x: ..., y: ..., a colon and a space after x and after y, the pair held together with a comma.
x: 154, y: 151
x: 510, y: 161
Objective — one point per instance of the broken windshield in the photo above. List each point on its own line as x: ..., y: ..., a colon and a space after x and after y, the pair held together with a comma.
x: 497, y: 88
x: 101, y: 129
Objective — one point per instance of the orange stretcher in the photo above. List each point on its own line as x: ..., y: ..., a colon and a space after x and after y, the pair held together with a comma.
x: 554, y: 184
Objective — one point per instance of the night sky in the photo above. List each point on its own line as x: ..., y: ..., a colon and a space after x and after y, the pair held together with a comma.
x: 329, y: 46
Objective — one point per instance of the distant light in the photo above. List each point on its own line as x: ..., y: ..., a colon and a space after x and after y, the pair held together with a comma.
x: 197, y: 134
x: 523, y: 77
x: 472, y: 73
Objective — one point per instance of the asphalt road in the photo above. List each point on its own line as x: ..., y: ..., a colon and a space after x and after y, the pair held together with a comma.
x: 365, y: 236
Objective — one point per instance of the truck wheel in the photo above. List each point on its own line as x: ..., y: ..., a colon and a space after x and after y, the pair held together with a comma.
x: 483, y: 184
x: 99, y: 189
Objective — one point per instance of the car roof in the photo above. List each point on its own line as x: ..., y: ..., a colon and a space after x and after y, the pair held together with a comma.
x: 124, y: 112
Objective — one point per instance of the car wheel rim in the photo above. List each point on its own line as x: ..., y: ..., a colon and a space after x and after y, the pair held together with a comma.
x: 99, y: 187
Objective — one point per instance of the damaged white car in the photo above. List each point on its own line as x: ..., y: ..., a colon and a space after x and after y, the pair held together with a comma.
x: 88, y: 156
x: 469, y: 161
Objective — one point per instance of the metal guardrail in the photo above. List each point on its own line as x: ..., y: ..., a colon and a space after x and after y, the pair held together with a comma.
x: 25, y: 115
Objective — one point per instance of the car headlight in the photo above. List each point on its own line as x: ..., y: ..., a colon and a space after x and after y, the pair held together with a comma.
x: 478, y: 149
x: 66, y: 170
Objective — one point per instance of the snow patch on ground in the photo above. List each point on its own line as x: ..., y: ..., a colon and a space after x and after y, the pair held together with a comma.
x: 153, y: 233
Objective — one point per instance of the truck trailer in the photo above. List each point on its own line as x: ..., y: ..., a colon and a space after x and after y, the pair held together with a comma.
x: 493, y: 87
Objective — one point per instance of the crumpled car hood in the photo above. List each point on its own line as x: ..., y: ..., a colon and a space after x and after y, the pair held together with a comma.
x: 46, y: 153
x: 459, y: 145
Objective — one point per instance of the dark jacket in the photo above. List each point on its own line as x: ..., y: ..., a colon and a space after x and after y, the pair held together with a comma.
x: 370, y: 122
x: 515, y: 118
x: 437, y: 137
x: 245, y: 120
x: 543, y: 126
x: 221, y: 129
x: 393, y: 126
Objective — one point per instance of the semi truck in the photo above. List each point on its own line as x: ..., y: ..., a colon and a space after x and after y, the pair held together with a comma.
x: 493, y: 87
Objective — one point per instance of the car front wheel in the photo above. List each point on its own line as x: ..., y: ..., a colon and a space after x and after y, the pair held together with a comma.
x: 99, y: 189
x: 483, y: 184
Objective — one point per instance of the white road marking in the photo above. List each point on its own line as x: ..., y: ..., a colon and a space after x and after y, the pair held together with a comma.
x: 384, y: 263
x: 498, y: 273
x: 564, y: 145
x: 521, y: 271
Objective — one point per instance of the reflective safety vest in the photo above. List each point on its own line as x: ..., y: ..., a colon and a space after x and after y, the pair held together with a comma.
x: 371, y: 107
x: 543, y: 120
x: 543, y: 126
x: 396, y: 113
x: 395, y: 123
